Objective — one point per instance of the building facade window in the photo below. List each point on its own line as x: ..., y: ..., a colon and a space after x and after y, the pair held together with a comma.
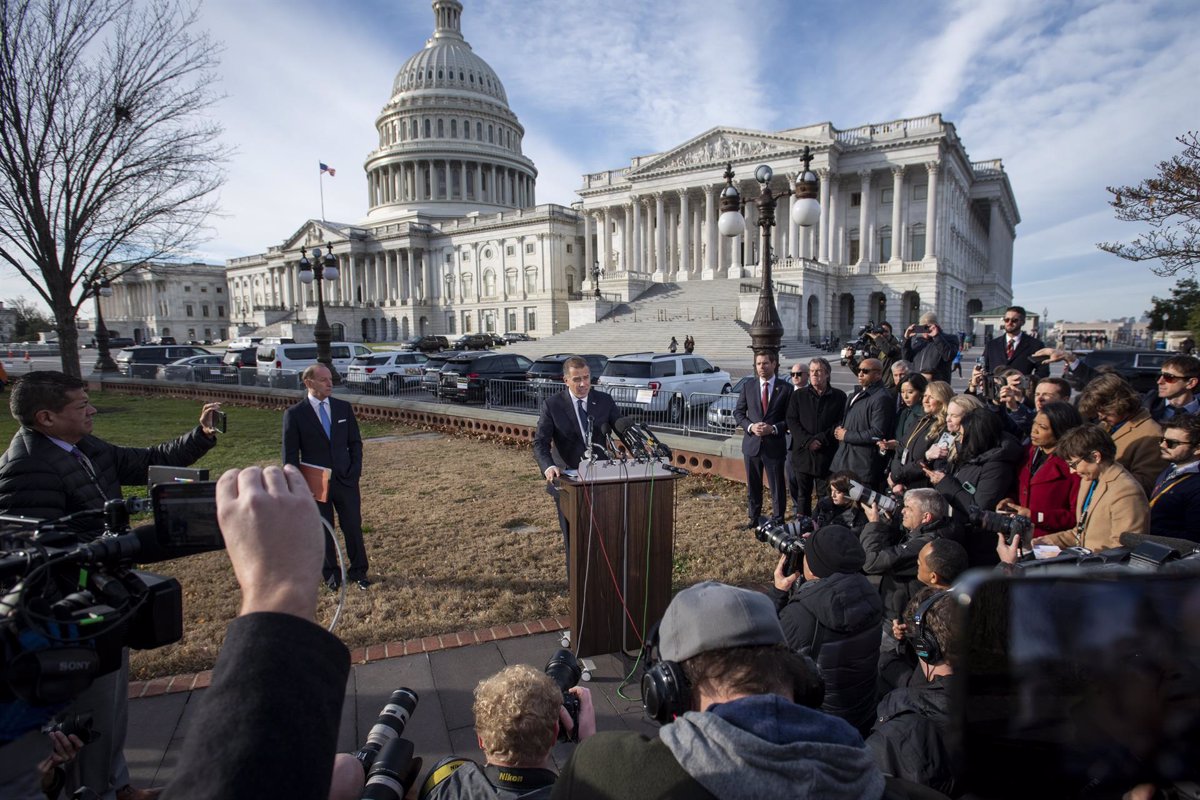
x: 855, y: 199
x: 220, y: 311
x: 854, y: 250
x: 920, y: 191
x: 916, y: 243
x: 510, y: 250
x: 885, y: 246
x: 529, y: 248
x: 187, y: 310
x: 489, y: 283
x: 530, y: 319
x: 885, y: 197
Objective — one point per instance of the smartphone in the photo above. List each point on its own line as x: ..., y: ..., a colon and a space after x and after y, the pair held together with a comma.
x: 185, y: 517
x: 218, y: 421
x: 1086, y: 680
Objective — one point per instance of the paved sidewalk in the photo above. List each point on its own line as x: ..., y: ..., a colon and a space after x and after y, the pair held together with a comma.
x: 442, y: 724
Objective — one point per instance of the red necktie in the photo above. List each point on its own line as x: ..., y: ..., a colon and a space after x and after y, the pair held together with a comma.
x: 765, y: 385
x: 1008, y: 350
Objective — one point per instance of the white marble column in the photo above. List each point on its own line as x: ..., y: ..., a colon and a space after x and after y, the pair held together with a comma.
x: 588, y: 255
x: 604, y: 242
x: 711, y: 233
x: 931, y: 210
x: 825, y: 225
x: 660, y: 239
x: 897, y: 196
x: 685, y: 237
x: 864, y: 208
x: 624, y: 237
x: 635, y: 264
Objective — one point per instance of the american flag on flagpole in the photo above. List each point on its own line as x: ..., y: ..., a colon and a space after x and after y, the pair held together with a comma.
x: 326, y: 168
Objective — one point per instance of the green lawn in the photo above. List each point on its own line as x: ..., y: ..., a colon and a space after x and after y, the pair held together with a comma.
x: 134, y: 421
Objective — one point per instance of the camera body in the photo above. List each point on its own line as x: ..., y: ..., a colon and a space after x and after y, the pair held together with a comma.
x: 1014, y: 526
x: 788, y: 539
x: 563, y: 668
x: 387, y: 758
x: 862, y: 346
x: 886, y: 503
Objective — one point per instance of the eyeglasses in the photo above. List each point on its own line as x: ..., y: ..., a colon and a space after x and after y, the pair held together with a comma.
x: 1173, y: 442
x: 1013, y: 319
x: 799, y: 374
x: 1075, y: 462
x: 1167, y: 377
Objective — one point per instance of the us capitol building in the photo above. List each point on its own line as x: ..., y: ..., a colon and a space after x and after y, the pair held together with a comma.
x: 454, y: 240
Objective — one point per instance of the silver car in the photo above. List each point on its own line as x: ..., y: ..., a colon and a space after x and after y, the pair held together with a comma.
x: 720, y: 413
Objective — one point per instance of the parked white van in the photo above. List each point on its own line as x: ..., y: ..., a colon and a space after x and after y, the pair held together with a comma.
x: 281, y: 364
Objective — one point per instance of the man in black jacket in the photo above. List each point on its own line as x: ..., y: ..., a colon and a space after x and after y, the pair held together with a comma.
x: 910, y: 739
x: 54, y: 467
x: 870, y: 418
x: 813, y: 412
x: 930, y: 349
x: 833, y: 616
x: 891, y: 550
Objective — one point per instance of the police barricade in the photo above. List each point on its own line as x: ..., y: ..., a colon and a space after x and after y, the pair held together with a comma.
x: 274, y: 378
x: 511, y: 395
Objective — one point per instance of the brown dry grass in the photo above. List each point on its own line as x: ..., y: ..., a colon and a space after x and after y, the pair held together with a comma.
x: 461, y: 535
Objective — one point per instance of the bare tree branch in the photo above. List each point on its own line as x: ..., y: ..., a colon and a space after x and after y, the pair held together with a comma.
x: 107, y: 160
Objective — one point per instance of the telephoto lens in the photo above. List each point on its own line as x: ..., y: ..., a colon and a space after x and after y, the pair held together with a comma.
x: 788, y: 539
x: 390, y: 725
x: 564, y: 670
x: 393, y: 773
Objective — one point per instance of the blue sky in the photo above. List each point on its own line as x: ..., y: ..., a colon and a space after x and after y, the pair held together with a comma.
x: 1073, y: 96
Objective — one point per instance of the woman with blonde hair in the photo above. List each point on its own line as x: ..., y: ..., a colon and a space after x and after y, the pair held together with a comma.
x: 905, y: 472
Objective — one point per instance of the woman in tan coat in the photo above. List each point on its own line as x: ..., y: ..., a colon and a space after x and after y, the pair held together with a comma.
x: 1118, y: 406
x: 1110, y: 502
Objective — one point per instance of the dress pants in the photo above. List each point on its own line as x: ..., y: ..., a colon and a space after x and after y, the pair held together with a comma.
x: 345, y: 501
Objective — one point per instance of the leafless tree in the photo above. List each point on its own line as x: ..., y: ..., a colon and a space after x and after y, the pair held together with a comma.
x: 1170, y: 204
x: 107, y: 161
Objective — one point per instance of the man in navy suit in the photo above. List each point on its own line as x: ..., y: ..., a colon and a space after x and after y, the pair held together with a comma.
x: 564, y: 424
x: 1014, y: 348
x: 322, y: 430
x: 761, y: 413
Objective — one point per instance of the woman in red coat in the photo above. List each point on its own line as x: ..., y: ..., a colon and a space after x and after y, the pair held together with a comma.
x: 1046, y: 487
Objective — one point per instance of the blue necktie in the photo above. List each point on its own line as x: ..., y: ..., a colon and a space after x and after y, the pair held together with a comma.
x: 324, y: 415
x: 582, y: 413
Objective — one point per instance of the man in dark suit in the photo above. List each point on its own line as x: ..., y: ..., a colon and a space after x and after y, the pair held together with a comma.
x: 870, y: 417
x: 1013, y: 348
x: 813, y: 413
x: 321, y: 430
x: 562, y: 429
x: 761, y: 413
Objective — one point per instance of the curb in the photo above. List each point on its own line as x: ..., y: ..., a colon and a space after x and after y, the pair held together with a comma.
x: 173, y: 684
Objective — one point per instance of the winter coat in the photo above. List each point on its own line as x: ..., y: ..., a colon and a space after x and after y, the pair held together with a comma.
x: 981, y: 481
x: 910, y: 737
x: 1049, y: 494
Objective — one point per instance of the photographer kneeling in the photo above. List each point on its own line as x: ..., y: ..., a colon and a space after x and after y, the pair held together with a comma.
x: 518, y: 714
x: 833, y: 616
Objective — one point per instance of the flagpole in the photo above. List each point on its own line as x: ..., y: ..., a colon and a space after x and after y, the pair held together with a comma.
x: 321, y: 183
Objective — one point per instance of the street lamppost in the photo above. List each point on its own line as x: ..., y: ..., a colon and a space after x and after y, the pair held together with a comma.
x: 321, y: 267
x: 766, y: 331
x: 100, y: 286
x: 596, y: 278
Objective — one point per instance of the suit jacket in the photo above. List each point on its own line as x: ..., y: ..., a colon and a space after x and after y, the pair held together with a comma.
x: 995, y: 357
x: 812, y: 416
x: 1137, y: 449
x: 304, y: 439
x: 558, y: 425
x: 1118, y: 506
x: 870, y: 416
x: 749, y: 410
x: 1176, y: 506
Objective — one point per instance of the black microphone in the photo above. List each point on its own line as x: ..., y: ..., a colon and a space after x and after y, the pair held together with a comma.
x: 624, y: 429
x: 591, y: 443
x: 660, y: 449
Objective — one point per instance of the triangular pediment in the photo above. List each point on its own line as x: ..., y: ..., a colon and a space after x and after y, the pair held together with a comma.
x: 720, y: 146
x: 314, y: 233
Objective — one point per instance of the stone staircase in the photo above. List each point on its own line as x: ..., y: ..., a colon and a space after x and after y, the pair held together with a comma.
x: 706, y: 310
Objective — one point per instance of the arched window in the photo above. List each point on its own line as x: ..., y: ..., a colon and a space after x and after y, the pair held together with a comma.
x: 531, y: 280
x: 489, y: 283
x: 441, y: 128
x: 414, y: 129
x: 491, y: 135
x: 479, y: 131
x: 468, y: 284
x: 453, y: 129
x: 428, y: 129
x: 466, y: 129
x: 510, y: 281
x: 450, y: 287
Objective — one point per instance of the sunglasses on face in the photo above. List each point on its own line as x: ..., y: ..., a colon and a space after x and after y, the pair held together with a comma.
x: 1173, y: 442
x: 1167, y: 377
x: 799, y: 374
x: 1012, y: 319
x: 867, y: 371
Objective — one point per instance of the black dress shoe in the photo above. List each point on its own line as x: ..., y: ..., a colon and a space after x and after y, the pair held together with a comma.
x: 363, y: 584
x: 333, y: 584
x: 749, y: 526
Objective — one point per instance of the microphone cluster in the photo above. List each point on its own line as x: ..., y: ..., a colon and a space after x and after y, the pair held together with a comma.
x: 640, y: 443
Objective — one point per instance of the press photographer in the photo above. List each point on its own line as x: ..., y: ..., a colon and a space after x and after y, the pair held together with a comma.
x: 54, y: 467
x: 930, y: 349
x: 519, y: 714
x: 874, y: 341
x: 831, y: 613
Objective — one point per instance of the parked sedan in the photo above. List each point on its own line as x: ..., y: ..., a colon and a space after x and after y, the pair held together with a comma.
x: 467, y: 377
x: 386, y: 372
x: 199, y: 369
x: 720, y: 413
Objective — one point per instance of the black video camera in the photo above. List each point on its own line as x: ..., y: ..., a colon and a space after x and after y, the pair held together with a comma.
x: 563, y: 668
x: 72, y: 598
x: 387, y: 758
x: 863, y: 345
x: 1014, y: 526
x: 788, y: 539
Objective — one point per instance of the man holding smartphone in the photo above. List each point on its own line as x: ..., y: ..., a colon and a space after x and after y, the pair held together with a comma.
x: 930, y: 349
x: 54, y: 467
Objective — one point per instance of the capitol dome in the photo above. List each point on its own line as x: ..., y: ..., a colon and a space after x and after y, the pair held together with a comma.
x: 448, y: 142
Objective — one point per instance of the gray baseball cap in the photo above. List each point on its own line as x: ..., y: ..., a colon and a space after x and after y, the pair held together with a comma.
x: 713, y: 616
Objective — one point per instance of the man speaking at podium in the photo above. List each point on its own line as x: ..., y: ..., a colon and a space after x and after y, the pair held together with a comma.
x: 566, y: 421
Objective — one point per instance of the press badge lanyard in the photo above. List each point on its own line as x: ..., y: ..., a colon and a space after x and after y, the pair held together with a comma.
x: 1168, y: 487
x: 1083, y: 517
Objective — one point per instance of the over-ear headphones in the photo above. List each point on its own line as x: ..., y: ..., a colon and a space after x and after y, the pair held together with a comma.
x: 924, y: 641
x: 666, y: 692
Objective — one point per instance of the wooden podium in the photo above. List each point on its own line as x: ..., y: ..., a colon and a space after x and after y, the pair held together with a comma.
x: 620, y: 514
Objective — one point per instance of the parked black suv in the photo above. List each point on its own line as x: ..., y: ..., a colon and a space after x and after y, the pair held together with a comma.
x: 473, y: 341
x: 426, y: 344
x: 545, y: 375
x: 465, y: 377
x: 1139, y: 367
x: 144, y: 361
